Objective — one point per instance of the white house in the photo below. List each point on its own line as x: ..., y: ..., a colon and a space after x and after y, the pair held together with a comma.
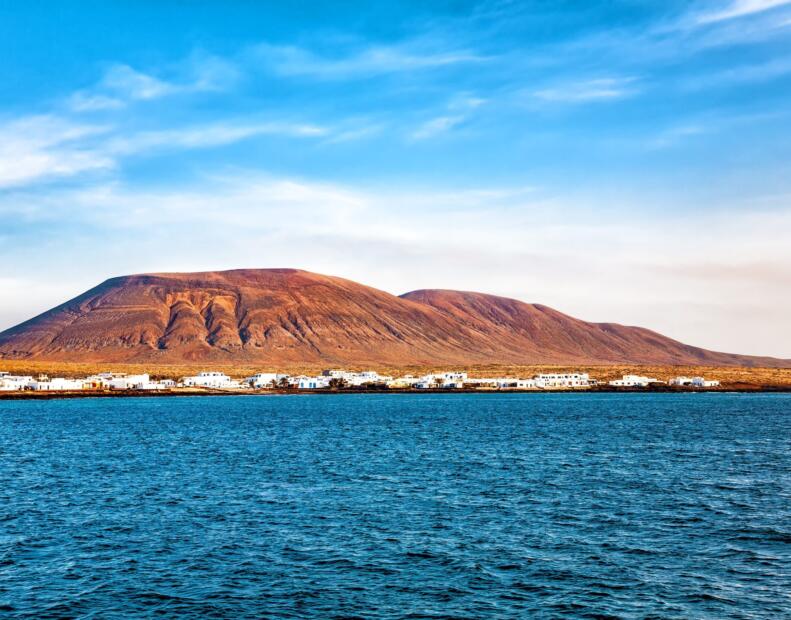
x: 552, y: 381
x: 406, y: 381
x: 454, y: 379
x: 265, y: 379
x: 500, y: 383
x: 693, y: 382
x: 14, y: 383
x: 427, y: 382
x: 521, y: 384
x: 445, y: 381
x: 217, y: 380
x: 369, y: 377
x: 58, y: 384
x: 101, y: 380
x: 634, y: 381
x: 354, y: 379
x: 313, y: 383
x: 128, y: 382
x: 164, y: 384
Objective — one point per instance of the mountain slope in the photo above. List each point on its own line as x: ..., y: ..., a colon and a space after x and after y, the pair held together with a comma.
x: 544, y: 335
x: 283, y: 316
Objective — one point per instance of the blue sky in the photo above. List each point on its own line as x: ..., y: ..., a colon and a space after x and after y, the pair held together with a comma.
x: 623, y: 161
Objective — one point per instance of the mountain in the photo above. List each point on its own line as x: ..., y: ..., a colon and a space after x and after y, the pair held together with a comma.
x: 286, y: 316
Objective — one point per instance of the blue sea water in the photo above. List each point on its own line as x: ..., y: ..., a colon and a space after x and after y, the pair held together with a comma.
x: 397, y: 506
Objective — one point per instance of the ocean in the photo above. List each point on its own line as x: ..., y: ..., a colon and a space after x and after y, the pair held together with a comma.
x: 397, y: 506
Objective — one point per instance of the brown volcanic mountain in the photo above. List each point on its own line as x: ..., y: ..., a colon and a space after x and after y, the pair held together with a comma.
x: 283, y: 316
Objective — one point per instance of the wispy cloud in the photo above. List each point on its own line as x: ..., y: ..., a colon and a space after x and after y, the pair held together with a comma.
x: 739, y: 8
x: 85, y: 101
x: 457, y: 111
x: 583, y: 91
x: 132, y: 84
x: 44, y: 147
x: 122, y: 83
x: 676, y: 135
x: 678, y: 38
x: 367, y: 62
x: 712, y: 124
x: 36, y: 148
x: 352, y: 132
x: 119, y: 85
x: 741, y: 74
x: 436, y: 126
x: 209, y: 135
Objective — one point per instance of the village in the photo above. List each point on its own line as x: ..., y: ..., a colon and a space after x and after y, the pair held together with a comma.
x: 335, y: 380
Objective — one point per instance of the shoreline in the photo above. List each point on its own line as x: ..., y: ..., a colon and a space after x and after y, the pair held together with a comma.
x: 60, y: 395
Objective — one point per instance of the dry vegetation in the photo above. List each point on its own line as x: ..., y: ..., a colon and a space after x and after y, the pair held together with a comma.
x: 728, y: 376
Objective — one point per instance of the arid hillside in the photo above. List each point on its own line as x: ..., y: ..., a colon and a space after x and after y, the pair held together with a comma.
x: 286, y: 317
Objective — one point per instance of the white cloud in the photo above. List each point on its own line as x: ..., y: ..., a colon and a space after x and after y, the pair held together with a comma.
x: 371, y: 61
x: 436, y: 126
x: 739, y: 8
x: 741, y: 74
x: 599, y: 89
x: 353, y: 134
x: 675, y: 39
x: 35, y: 148
x: 132, y: 84
x: 208, y: 73
x: 44, y: 147
x: 122, y: 83
x: 457, y: 111
x: 676, y: 135
x: 83, y: 101
x: 210, y: 135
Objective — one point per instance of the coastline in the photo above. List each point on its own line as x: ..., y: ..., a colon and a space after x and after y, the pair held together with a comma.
x: 62, y: 395
x: 727, y: 375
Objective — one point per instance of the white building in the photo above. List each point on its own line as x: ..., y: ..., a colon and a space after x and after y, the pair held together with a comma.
x: 150, y: 386
x: 265, y: 379
x: 406, y: 381
x: 369, y: 377
x: 356, y: 379
x: 554, y: 381
x: 634, y: 381
x: 128, y: 382
x: 693, y: 382
x: 58, y: 384
x: 519, y: 384
x: 313, y: 383
x: 101, y: 381
x: 454, y: 379
x: 498, y: 383
x: 428, y: 382
x: 444, y: 380
x: 14, y: 383
x: 216, y: 380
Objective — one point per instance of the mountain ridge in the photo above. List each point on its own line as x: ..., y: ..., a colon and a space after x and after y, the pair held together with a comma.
x: 293, y: 316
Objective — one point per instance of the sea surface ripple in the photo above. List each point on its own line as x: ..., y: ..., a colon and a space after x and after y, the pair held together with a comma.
x: 397, y: 506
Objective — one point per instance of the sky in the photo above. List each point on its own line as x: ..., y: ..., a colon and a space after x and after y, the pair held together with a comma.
x: 618, y: 160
